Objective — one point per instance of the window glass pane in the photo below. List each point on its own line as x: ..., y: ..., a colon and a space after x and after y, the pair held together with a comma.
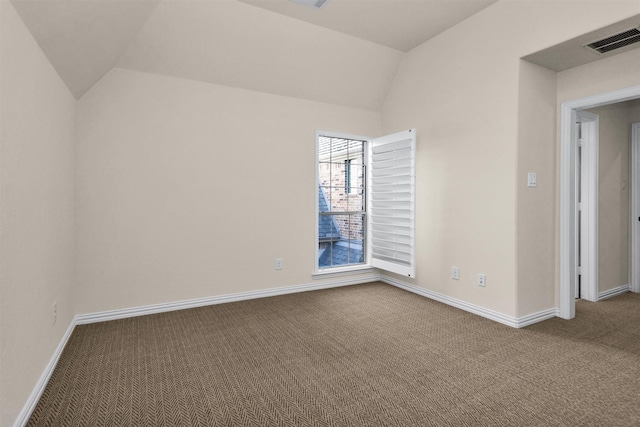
x: 356, y: 200
x: 333, y: 178
x: 356, y: 175
x: 355, y: 150
x: 323, y: 204
x: 341, y: 242
x: 339, y: 200
x: 328, y: 230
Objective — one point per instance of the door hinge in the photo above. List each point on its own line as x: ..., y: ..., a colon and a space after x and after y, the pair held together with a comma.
x: 579, y: 270
x: 579, y: 206
x: 581, y: 142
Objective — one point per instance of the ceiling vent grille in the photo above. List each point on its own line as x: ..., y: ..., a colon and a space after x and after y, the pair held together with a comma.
x: 617, y: 41
x: 316, y: 4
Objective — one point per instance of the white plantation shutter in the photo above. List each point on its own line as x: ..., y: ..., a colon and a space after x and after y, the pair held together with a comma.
x: 391, y: 202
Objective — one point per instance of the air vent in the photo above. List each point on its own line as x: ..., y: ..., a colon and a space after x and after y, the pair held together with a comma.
x: 316, y: 4
x: 625, y: 38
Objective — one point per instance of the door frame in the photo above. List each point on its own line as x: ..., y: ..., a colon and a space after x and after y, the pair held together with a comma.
x: 635, y: 207
x: 568, y: 226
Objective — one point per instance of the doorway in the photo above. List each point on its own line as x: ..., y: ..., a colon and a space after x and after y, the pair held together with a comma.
x: 571, y: 237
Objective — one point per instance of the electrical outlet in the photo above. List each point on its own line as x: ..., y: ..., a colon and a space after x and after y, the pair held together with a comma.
x: 482, y: 280
x: 279, y: 264
x: 455, y: 273
x: 55, y: 312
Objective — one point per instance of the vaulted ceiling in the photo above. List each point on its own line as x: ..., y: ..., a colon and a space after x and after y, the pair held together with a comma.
x: 84, y: 39
x: 399, y: 24
x: 346, y: 53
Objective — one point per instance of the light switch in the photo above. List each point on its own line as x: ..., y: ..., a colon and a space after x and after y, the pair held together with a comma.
x: 532, y: 180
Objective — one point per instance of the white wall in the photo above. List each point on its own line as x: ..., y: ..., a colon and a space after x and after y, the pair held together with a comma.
x: 463, y: 91
x: 36, y: 212
x: 635, y: 112
x: 465, y: 164
x: 234, y: 44
x: 189, y: 189
x: 609, y: 74
x: 536, y: 207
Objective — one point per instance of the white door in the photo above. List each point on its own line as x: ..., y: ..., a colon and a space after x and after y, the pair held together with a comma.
x: 578, y: 243
x: 586, y: 209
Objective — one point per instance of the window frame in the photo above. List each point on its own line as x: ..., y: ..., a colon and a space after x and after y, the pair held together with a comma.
x: 366, y: 264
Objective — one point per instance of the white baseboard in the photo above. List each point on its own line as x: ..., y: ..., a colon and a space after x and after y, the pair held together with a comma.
x: 532, y: 318
x: 514, y: 322
x: 34, y: 397
x: 123, y: 313
x: 614, y: 292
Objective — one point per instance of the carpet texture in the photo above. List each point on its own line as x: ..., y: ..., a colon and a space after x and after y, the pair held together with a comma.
x: 365, y: 355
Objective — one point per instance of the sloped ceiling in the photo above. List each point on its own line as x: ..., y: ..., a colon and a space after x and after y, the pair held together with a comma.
x: 84, y: 39
x: 399, y: 24
x: 234, y: 44
x: 345, y: 54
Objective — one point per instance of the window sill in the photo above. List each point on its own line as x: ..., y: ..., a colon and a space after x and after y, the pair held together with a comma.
x: 343, y: 271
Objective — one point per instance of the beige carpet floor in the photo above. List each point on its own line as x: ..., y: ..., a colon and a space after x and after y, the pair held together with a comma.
x: 365, y: 355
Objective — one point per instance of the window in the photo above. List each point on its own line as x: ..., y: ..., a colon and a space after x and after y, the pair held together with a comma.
x: 341, y: 201
x: 366, y: 202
